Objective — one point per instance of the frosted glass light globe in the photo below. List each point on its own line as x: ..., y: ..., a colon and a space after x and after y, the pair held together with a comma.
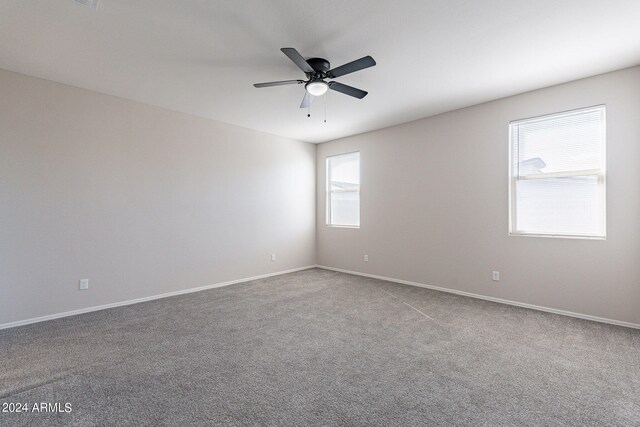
x: 317, y: 88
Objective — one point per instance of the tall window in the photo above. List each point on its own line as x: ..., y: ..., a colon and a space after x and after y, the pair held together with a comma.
x: 343, y: 190
x: 557, y: 185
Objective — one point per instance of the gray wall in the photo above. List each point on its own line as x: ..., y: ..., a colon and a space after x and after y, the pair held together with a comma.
x: 143, y: 201
x: 434, y: 206
x: 138, y: 199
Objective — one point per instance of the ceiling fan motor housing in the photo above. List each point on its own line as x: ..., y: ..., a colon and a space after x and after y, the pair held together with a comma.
x: 320, y: 66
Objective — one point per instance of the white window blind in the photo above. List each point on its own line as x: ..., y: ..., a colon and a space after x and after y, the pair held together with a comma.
x: 557, y: 185
x: 343, y: 190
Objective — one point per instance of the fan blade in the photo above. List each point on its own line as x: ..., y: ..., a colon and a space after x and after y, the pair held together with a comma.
x: 347, y: 90
x: 297, y: 59
x: 351, y: 67
x: 281, y: 83
x: 307, y: 100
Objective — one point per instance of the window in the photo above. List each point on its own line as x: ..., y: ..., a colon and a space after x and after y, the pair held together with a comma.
x: 557, y: 175
x: 343, y: 190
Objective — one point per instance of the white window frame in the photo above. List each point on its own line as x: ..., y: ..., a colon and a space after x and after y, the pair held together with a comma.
x: 599, y: 173
x: 328, y: 192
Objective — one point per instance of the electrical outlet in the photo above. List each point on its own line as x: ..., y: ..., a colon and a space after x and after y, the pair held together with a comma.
x: 84, y: 284
x: 495, y: 276
x: 273, y: 257
x: 366, y: 258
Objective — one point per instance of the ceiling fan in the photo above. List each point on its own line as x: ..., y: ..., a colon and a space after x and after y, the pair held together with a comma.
x: 319, y: 69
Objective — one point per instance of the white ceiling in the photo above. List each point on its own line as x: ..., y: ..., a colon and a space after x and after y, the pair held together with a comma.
x: 202, y: 56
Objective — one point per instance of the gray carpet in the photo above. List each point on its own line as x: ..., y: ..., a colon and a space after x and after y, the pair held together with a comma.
x: 322, y: 348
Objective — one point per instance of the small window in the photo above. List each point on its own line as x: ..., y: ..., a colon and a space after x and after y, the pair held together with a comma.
x: 557, y: 184
x: 343, y: 190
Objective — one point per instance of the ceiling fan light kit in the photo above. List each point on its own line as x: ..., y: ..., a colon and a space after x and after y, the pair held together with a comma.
x: 317, y: 88
x: 319, y: 69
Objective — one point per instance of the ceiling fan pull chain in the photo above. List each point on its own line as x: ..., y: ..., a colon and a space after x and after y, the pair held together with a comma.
x: 326, y: 95
x: 309, y: 108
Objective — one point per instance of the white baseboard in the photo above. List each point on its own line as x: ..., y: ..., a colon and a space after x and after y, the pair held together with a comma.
x: 373, y: 276
x: 143, y: 299
x: 487, y: 298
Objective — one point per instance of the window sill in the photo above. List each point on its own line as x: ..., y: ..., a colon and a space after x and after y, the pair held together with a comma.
x: 341, y: 226
x: 559, y: 236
